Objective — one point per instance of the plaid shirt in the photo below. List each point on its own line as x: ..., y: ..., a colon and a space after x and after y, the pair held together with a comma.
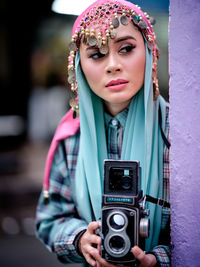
x: 58, y: 223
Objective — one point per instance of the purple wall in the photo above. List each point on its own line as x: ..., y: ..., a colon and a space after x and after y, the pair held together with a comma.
x: 184, y: 49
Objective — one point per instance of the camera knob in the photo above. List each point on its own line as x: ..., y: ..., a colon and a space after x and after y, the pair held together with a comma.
x: 99, y: 222
x: 146, y: 212
x: 144, y: 227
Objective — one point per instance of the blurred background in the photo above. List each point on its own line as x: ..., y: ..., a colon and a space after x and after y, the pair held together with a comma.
x: 34, y: 96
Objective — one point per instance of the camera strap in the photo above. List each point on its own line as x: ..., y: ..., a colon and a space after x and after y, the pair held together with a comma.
x: 158, y: 201
x: 166, y: 141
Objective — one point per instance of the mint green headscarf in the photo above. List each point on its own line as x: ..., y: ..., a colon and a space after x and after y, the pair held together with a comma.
x: 142, y: 141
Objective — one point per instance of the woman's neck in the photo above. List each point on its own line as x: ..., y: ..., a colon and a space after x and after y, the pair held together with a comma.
x: 115, y: 108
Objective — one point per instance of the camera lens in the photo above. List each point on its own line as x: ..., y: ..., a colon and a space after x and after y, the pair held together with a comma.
x: 126, y: 182
x: 117, y: 221
x: 117, y: 244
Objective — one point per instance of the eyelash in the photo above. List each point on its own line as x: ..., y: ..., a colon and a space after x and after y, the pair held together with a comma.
x: 127, y: 48
x: 96, y: 55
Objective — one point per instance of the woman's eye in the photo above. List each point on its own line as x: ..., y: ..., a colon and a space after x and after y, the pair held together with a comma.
x: 126, y: 49
x: 96, y: 55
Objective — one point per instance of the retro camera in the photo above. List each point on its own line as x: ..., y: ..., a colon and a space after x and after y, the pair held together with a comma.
x: 123, y: 222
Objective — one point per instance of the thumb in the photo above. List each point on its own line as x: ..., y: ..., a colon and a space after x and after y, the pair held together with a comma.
x: 145, y: 259
x: 138, y: 253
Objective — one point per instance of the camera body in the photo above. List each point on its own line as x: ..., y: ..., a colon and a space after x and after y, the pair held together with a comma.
x: 123, y: 222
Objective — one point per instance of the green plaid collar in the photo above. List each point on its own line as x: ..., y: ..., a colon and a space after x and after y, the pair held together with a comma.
x: 121, y: 118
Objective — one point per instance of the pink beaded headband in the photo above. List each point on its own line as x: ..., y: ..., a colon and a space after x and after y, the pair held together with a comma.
x: 97, y: 25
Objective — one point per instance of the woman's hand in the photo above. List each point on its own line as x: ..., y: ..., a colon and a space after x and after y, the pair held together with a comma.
x: 89, y: 246
x: 90, y: 243
x: 146, y: 260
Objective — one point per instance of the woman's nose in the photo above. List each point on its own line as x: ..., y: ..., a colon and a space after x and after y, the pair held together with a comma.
x: 113, y: 65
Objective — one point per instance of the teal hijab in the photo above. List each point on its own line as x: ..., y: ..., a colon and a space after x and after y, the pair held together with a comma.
x: 142, y: 141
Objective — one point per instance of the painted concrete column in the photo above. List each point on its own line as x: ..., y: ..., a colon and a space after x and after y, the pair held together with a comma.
x: 184, y: 49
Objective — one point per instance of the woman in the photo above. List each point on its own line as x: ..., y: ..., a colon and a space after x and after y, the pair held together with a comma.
x: 113, y: 75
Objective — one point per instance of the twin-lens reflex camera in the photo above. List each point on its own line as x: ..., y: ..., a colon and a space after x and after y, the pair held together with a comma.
x: 123, y: 223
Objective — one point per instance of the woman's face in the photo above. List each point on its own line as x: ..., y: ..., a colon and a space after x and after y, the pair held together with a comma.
x: 117, y: 76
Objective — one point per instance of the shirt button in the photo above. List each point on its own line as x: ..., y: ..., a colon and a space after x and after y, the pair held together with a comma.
x: 114, y: 122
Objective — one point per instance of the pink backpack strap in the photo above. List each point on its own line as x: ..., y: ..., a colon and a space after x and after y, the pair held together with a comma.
x: 67, y: 127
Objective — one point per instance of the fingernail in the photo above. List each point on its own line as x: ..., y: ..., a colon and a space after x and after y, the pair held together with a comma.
x: 136, y: 250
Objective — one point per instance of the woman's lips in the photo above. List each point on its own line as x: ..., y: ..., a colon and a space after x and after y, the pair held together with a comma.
x: 116, y: 84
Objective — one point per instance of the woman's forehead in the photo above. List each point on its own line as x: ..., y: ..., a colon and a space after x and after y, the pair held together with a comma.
x: 97, y: 26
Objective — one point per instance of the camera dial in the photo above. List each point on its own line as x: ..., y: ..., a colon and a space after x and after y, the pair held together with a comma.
x: 144, y: 227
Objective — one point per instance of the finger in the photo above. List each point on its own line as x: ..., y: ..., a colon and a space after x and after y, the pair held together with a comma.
x: 99, y: 247
x: 103, y: 262
x: 90, y: 255
x: 144, y: 259
x: 93, y: 226
x: 88, y: 246
x: 88, y: 238
x: 90, y: 260
x: 138, y: 253
x: 94, y: 239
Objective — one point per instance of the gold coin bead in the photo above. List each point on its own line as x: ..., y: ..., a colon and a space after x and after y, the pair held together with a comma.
x: 103, y: 41
x: 107, y: 33
x: 82, y: 31
x: 99, y: 35
x: 99, y: 41
x: 155, y: 87
x: 92, y: 32
x: 111, y: 26
x: 87, y: 33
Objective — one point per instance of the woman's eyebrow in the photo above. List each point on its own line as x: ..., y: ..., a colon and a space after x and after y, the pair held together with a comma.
x: 124, y: 38
x: 117, y: 40
x: 92, y: 47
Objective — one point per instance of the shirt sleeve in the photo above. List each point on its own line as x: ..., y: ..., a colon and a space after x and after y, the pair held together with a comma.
x: 58, y: 223
x: 163, y: 255
x: 163, y: 252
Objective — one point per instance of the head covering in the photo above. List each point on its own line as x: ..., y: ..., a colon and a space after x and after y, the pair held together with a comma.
x: 142, y: 140
x: 97, y: 25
